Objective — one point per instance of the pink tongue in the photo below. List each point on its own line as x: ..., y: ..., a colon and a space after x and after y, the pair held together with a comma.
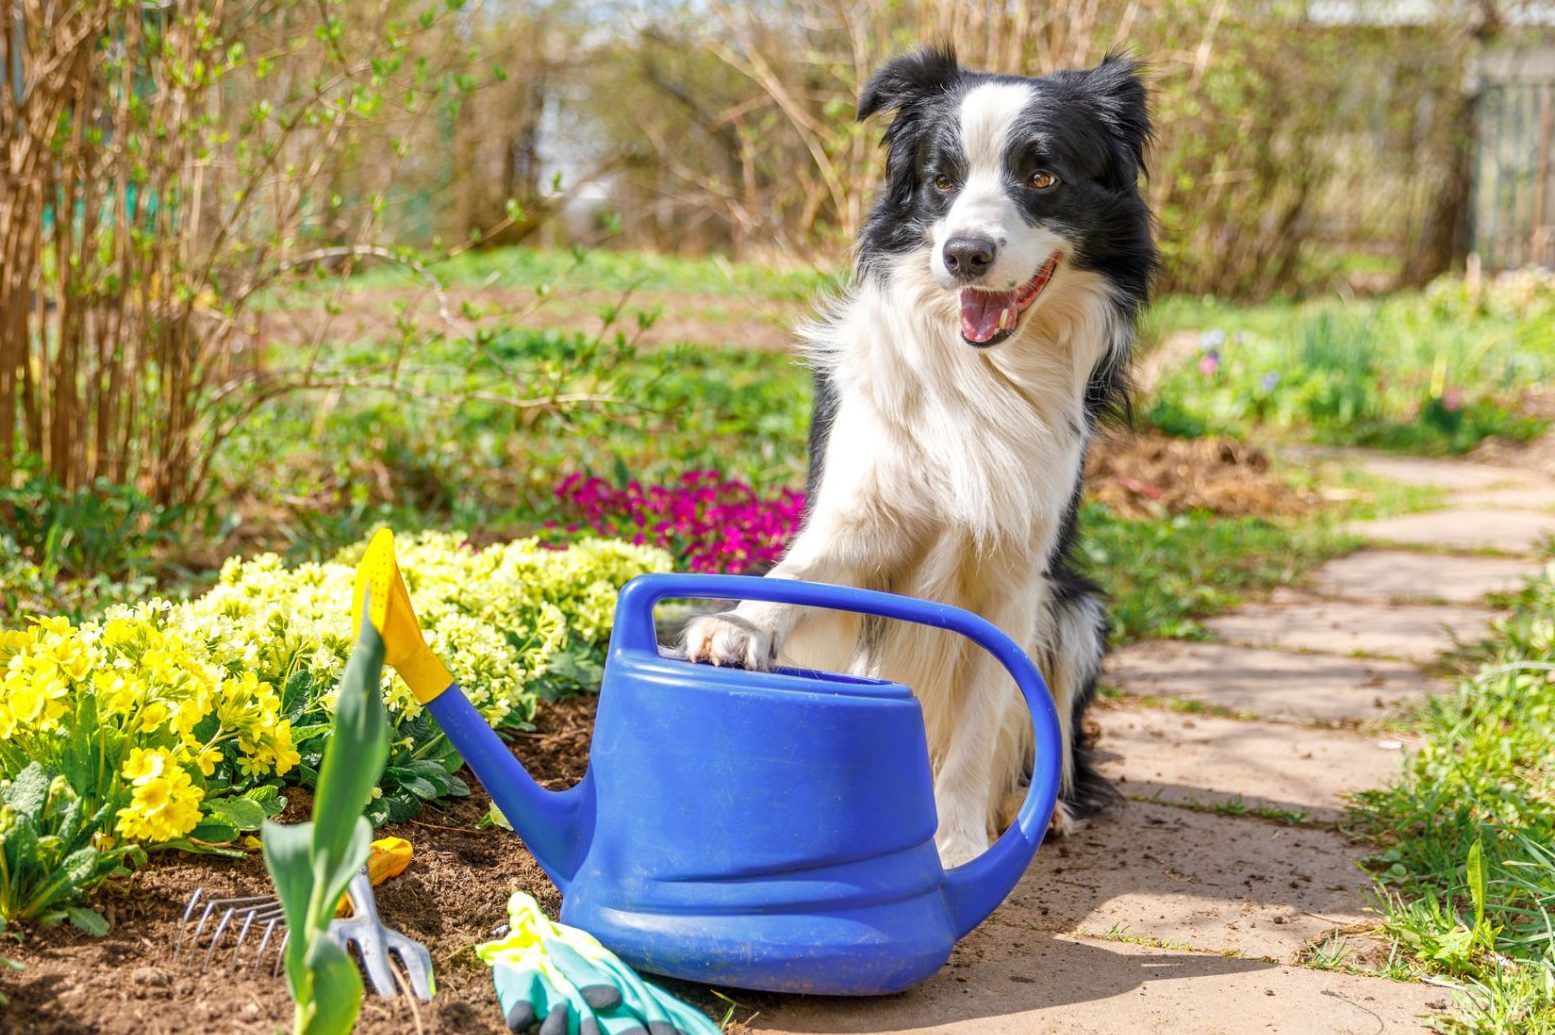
x: 980, y: 313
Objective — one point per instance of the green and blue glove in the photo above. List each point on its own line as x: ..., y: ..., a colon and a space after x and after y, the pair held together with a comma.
x: 557, y: 980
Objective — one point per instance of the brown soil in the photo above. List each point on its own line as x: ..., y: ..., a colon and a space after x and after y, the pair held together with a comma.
x: 452, y: 896
x: 1149, y: 475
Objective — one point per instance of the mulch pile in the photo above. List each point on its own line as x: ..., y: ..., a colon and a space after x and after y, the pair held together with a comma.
x: 1151, y: 475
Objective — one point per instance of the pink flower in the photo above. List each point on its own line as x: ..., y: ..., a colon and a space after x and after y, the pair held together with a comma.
x: 709, y: 523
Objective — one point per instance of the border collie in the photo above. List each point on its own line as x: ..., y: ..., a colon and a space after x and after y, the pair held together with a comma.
x: 957, y: 383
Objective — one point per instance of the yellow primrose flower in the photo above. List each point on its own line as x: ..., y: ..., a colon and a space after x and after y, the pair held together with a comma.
x: 286, y: 759
x: 207, y: 758
x: 165, y: 803
x: 152, y: 717
x: 251, y: 765
x: 146, y: 763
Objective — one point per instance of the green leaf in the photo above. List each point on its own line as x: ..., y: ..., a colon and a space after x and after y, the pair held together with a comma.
x: 184, y: 844
x: 269, y: 798
x: 402, y: 807
x: 214, y: 829
x: 1479, y: 879
x: 337, y: 986
x: 88, y: 920
x: 311, y: 863
x: 423, y: 789
x: 355, y: 755
x: 239, y: 812
x: 29, y: 790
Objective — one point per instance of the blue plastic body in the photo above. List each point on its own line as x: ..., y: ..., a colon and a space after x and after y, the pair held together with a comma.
x: 766, y: 830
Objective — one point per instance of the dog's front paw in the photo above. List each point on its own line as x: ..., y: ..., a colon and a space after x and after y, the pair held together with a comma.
x: 728, y: 639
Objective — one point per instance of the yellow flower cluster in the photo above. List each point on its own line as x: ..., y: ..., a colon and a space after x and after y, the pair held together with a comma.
x: 164, y: 803
x: 176, y: 691
x: 497, y: 617
x: 150, y: 694
x: 40, y: 666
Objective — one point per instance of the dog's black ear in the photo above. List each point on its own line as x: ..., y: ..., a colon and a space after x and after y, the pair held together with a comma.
x: 904, y: 80
x: 1117, y: 88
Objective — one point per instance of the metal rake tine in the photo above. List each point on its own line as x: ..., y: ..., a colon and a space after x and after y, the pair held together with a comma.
x: 280, y: 954
x: 205, y: 914
x: 417, y: 962
x: 249, y: 917
x: 212, y: 904
x: 183, y: 923
x: 259, y: 953
x: 226, y: 918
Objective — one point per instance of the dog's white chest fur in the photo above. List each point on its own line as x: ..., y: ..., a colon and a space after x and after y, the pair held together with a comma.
x: 980, y: 445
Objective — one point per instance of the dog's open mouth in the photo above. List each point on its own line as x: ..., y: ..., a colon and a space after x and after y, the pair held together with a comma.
x: 988, y: 317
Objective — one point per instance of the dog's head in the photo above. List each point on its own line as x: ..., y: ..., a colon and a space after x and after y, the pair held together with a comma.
x: 1000, y: 183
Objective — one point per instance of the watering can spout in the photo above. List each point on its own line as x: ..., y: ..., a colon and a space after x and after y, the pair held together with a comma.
x: 555, y: 825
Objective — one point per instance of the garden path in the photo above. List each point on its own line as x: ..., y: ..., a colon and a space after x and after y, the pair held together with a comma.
x: 1222, y: 895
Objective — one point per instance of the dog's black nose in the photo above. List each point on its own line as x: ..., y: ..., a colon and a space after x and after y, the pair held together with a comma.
x: 969, y: 257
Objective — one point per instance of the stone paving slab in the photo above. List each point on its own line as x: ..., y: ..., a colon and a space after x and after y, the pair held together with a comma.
x: 1181, y: 759
x: 1533, y: 497
x: 1383, y: 576
x: 1266, y: 683
x: 1294, y: 622
x: 1504, y: 531
x: 1009, y: 982
x: 1449, y: 475
x: 1208, y: 881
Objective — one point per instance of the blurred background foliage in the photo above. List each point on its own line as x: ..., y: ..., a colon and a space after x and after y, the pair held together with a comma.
x: 276, y: 270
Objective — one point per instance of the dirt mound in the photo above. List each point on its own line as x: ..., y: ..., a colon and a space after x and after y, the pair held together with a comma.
x: 1150, y: 475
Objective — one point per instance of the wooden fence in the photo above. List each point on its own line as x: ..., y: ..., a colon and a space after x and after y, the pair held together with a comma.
x: 1512, y: 222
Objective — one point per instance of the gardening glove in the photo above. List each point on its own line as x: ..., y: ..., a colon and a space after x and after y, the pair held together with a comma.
x: 380, y: 587
x: 564, y: 982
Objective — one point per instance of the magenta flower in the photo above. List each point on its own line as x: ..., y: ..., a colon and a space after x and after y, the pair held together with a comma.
x: 708, y: 523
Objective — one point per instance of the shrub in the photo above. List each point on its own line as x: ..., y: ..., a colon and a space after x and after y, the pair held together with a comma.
x: 49, y: 855
x: 515, y: 623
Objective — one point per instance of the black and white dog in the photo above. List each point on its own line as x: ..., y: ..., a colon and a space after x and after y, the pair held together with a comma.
x: 958, y: 381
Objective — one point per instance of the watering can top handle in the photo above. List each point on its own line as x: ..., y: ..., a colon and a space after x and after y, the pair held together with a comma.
x: 974, y: 889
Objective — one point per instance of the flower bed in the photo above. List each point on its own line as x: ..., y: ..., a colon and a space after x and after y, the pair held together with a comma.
x: 178, y: 724
x: 708, y: 522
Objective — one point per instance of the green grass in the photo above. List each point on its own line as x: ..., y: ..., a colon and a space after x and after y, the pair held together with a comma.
x: 1236, y: 806
x: 445, y: 452
x: 1163, y: 575
x: 1483, y: 916
x: 609, y: 271
x: 1436, y: 371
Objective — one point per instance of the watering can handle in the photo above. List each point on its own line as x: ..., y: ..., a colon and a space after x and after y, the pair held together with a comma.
x: 974, y: 889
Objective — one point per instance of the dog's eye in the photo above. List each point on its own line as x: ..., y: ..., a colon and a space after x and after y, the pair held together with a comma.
x: 1041, y: 180
x: 943, y: 183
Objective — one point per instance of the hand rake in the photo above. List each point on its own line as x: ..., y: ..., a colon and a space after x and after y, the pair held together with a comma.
x: 224, y: 926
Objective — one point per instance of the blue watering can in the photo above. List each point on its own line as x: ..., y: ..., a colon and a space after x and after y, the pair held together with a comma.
x: 765, y: 830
